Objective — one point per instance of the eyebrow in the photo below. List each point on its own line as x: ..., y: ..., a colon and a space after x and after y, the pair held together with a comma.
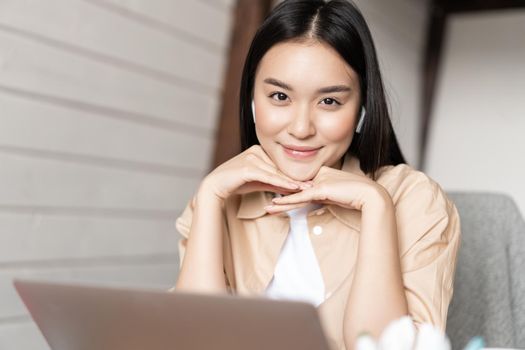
x: 324, y: 90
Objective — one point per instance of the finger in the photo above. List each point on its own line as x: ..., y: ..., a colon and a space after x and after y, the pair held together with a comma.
x: 261, y: 186
x: 260, y: 160
x: 307, y: 195
x: 264, y: 176
x: 270, y: 168
x: 280, y: 190
x: 275, y: 209
x: 302, y: 185
x: 274, y: 170
x: 263, y: 156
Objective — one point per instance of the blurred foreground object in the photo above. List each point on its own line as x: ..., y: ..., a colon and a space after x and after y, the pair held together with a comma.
x: 401, y: 334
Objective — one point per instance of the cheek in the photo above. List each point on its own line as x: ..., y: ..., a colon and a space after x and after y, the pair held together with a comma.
x: 335, y: 129
x: 269, y: 123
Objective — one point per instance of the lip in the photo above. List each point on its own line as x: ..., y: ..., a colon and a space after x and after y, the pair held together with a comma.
x: 300, y: 152
x: 300, y: 148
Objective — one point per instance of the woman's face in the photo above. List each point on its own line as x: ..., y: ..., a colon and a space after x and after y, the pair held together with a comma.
x: 307, y: 99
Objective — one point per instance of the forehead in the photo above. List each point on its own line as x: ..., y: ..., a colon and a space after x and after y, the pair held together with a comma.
x: 303, y: 64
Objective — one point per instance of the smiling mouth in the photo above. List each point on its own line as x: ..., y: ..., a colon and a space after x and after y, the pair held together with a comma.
x: 300, y: 152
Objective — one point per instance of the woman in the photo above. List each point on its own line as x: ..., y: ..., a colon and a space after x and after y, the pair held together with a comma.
x: 320, y: 206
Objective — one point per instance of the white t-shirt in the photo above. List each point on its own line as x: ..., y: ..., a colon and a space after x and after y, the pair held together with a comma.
x: 297, y: 274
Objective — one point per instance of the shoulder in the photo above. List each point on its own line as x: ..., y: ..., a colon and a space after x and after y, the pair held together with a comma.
x: 405, y: 183
x: 183, y: 222
x: 423, y: 210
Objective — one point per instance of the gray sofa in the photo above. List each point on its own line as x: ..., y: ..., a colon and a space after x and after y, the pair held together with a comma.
x: 489, y: 289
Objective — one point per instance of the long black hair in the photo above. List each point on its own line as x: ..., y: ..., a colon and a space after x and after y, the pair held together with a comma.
x: 340, y: 24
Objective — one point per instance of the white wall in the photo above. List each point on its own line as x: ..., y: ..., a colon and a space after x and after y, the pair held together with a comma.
x: 107, y: 114
x: 399, y: 30
x: 477, y: 140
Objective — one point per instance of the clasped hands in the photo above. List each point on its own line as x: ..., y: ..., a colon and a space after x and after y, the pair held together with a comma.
x: 253, y: 170
x: 332, y: 186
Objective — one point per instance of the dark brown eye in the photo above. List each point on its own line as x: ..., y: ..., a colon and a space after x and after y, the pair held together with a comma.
x: 330, y: 101
x: 279, y: 96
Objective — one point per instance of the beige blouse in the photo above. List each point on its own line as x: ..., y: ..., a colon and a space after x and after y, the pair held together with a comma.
x: 428, y: 229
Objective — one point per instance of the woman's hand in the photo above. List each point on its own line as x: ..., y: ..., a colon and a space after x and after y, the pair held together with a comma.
x: 250, y: 171
x: 333, y: 186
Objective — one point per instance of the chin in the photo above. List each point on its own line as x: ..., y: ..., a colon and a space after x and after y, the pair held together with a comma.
x: 300, y: 173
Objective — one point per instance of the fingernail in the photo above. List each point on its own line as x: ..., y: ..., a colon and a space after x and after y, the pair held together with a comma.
x: 293, y: 185
x: 305, y: 185
x: 268, y: 207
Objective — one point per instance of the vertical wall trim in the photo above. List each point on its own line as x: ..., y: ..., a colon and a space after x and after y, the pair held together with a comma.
x: 249, y: 14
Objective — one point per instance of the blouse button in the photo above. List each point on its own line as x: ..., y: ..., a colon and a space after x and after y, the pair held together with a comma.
x: 317, y: 230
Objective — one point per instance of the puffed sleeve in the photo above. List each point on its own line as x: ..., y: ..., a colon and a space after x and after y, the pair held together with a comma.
x: 183, y: 226
x: 429, y: 237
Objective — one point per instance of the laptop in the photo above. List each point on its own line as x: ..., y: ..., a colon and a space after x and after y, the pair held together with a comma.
x: 81, y: 317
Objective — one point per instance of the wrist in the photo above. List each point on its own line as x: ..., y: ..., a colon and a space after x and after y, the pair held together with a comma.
x: 206, y: 194
x: 378, y: 200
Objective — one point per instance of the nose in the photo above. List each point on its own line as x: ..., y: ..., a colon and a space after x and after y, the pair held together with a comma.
x: 301, y: 125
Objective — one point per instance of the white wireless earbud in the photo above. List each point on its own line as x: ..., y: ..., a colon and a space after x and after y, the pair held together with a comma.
x: 361, y: 120
x: 253, y: 111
